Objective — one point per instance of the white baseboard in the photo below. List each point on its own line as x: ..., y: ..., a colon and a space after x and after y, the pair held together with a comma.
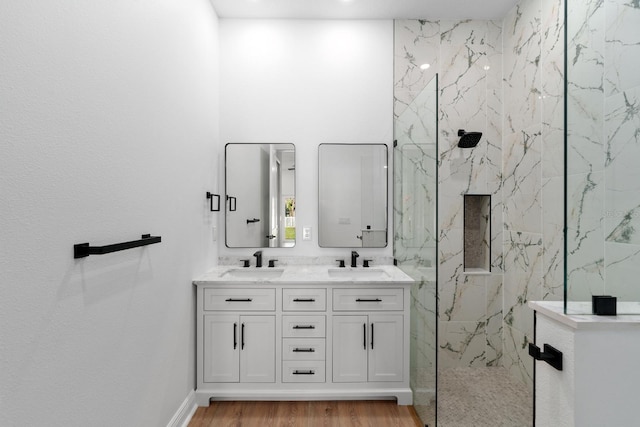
x: 184, y: 413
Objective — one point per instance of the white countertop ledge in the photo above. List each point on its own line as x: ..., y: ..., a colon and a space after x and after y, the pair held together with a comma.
x: 301, y: 274
x: 555, y: 310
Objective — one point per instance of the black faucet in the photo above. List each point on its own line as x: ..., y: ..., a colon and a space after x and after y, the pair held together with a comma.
x: 354, y: 256
x: 258, y: 256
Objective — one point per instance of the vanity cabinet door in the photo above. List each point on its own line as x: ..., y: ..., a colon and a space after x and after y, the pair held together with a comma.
x: 386, y: 347
x: 257, y: 349
x: 349, y: 349
x: 239, y: 348
x: 221, y: 348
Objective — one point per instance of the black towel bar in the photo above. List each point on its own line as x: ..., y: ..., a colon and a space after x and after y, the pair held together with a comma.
x: 82, y: 250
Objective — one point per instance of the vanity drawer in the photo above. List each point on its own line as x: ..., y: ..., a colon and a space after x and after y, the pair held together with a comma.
x: 368, y: 299
x: 240, y: 299
x: 303, y: 349
x: 303, y: 371
x: 303, y: 326
x: 304, y: 299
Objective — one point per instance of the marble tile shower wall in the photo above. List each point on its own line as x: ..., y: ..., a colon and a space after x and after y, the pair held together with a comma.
x: 468, y: 59
x: 533, y: 163
x: 504, y: 79
x: 603, y: 149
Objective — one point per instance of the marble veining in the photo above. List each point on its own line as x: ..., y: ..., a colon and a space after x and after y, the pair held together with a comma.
x: 603, y: 149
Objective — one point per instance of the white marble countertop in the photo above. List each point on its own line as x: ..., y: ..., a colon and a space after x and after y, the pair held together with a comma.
x: 555, y: 310
x: 288, y: 274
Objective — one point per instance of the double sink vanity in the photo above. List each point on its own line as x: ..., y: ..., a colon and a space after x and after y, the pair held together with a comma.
x: 303, y: 332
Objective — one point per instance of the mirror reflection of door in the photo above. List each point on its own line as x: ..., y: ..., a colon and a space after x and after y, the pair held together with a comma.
x: 259, y: 180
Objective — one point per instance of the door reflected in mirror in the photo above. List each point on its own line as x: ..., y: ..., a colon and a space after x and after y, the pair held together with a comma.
x: 352, y: 199
x: 260, y: 195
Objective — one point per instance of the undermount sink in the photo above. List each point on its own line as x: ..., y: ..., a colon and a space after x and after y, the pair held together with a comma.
x: 253, y: 273
x: 364, y: 273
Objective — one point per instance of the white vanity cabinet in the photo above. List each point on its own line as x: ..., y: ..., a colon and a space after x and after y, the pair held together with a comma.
x: 597, y: 385
x: 368, y: 348
x: 303, y: 340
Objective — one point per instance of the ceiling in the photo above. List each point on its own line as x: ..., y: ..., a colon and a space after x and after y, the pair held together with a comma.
x: 363, y: 9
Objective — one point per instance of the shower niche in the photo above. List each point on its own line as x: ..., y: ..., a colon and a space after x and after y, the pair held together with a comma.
x: 477, y: 233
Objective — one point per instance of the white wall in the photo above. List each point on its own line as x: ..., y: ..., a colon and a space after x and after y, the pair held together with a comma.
x: 306, y: 82
x: 108, y: 130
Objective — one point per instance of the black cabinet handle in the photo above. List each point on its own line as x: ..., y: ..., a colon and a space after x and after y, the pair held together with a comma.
x: 368, y: 300
x: 304, y: 300
x: 235, y: 336
x: 309, y: 372
x: 371, y: 336
x: 238, y: 300
x: 304, y: 350
x: 242, y: 337
x: 364, y: 336
x: 304, y: 327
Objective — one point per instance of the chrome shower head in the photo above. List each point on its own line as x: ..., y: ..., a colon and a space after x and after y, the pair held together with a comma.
x: 468, y: 139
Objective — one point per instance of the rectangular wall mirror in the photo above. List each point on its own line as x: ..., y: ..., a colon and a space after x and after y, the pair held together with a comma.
x: 352, y: 195
x: 260, y: 208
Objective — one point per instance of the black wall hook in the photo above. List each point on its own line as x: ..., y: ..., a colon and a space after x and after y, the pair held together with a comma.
x: 211, y: 196
x: 232, y: 203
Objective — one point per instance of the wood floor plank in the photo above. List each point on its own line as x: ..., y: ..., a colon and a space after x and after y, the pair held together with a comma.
x: 322, y: 414
x: 292, y: 414
x: 305, y: 414
x: 204, y: 416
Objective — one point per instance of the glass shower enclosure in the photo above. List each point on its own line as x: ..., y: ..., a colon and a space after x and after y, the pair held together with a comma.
x: 415, y: 238
x: 602, y: 147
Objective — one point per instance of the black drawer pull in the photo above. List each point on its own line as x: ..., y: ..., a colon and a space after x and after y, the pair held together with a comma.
x: 304, y: 350
x: 238, y: 300
x: 368, y: 300
x: 304, y: 327
x: 304, y: 300
x: 309, y: 372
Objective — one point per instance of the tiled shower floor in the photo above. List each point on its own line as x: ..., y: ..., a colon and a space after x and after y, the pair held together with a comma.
x: 480, y: 397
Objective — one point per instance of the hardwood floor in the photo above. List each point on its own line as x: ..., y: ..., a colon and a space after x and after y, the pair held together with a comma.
x: 364, y: 413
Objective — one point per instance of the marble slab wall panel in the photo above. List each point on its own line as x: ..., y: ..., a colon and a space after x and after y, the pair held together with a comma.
x: 623, y: 269
x: 516, y: 358
x: 467, y: 55
x: 523, y: 279
x: 533, y: 168
x: 423, y: 344
x: 622, y: 46
x: 585, y: 236
x: 494, y: 321
x: 622, y: 172
x: 552, y: 81
x: 585, y: 87
x: 522, y: 158
x: 585, y: 161
x: 553, y: 238
x: 471, y: 99
x: 416, y: 42
x: 603, y: 149
x: 522, y: 52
